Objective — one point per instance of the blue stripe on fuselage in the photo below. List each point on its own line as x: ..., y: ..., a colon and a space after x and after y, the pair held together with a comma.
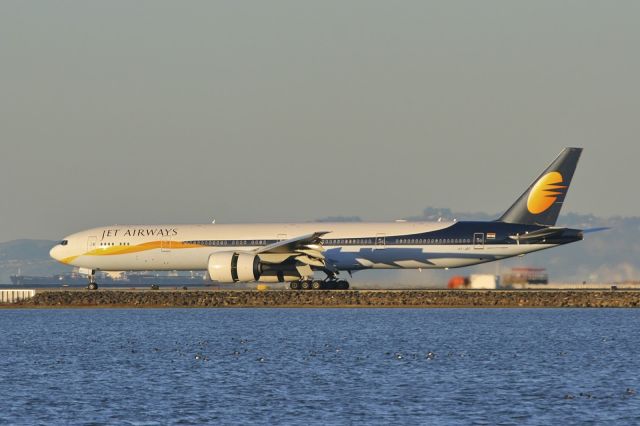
x: 456, y: 234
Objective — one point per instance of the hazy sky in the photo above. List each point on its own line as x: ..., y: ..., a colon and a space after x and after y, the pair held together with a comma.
x: 151, y: 112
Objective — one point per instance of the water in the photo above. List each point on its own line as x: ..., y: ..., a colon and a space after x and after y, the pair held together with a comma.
x: 332, y: 366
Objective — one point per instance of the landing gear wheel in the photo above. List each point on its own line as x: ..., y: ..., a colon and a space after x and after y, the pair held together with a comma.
x: 294, y: 285
x: 343, y: 285
x: 317, y: 285
x: 92, y: 286
x: 306, y: 285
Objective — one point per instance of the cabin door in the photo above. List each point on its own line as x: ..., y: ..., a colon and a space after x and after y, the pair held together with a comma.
x: 478, y: 240
x: 92, y: 243
x: 380, y: 241
x: 165, y: 244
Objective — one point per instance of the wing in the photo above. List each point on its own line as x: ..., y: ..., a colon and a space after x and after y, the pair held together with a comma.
x: 305, y: 250
x: 293, y: 244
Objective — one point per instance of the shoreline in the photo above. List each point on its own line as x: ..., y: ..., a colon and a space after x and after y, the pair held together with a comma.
x: 119, y: 299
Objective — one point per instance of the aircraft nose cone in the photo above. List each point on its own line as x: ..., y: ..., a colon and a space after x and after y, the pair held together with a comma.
x: 55, y: 252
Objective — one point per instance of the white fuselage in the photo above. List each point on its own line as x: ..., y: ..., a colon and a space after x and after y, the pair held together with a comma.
x: 293, y: 252
x: 348, y: 246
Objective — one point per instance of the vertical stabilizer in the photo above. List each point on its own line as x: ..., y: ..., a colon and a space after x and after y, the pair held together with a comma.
x: 541, y: 202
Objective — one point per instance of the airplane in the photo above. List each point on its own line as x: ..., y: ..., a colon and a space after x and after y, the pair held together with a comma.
x: 292, y: 253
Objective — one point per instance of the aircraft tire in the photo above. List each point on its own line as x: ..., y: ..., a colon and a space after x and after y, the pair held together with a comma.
x: 294, y: 285
x: 343, y: 285
x: 317, y: 285
x: 92, y: 286
x: 331, y: 285
x: 306, y: 285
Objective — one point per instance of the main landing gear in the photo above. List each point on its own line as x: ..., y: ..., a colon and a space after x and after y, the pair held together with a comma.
x: 93, y: 285
x: 319, y: 285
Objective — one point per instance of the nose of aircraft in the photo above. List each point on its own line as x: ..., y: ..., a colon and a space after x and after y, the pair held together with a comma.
x: 55, y: 252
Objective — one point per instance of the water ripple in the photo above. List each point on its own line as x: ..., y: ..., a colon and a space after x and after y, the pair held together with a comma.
x: 302, y: 366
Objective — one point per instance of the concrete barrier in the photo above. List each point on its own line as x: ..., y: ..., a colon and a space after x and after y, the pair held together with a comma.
x: 16, y: 295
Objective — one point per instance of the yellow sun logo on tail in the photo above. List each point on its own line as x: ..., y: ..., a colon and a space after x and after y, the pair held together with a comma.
x: 545, y: 192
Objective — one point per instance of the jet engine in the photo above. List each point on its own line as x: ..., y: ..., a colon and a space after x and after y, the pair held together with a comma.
x: 231, y: 267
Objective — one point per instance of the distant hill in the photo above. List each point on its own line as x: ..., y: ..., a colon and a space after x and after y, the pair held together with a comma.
x: 607, y: 256
x: 610, y: 256
x: 29, y: 257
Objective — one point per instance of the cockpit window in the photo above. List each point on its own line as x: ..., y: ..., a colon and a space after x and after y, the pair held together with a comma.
x: 64, y: 242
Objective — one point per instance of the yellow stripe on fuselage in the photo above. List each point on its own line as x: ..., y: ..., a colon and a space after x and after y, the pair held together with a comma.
x: 116, y: 250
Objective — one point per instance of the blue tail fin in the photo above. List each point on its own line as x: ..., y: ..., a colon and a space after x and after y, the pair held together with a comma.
x: 541, y: 202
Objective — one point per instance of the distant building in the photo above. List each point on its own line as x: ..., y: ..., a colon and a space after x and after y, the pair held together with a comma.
x: 520, y: 276
x: 475, y: 282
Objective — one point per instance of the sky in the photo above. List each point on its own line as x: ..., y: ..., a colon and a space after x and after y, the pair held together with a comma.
x: 119, y: 112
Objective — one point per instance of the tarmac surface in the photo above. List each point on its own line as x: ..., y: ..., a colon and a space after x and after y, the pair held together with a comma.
x: 170, y: 297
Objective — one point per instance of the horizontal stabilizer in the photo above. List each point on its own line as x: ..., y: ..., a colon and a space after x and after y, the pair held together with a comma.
x: 541, y: 233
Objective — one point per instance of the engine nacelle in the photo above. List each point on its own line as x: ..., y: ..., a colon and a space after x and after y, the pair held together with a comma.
x: 232, y: 267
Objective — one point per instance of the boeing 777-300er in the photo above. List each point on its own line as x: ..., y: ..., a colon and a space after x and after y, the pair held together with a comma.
x: 291, y: 253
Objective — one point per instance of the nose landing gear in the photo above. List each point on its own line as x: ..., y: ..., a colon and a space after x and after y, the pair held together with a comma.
x: 93, y: 285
